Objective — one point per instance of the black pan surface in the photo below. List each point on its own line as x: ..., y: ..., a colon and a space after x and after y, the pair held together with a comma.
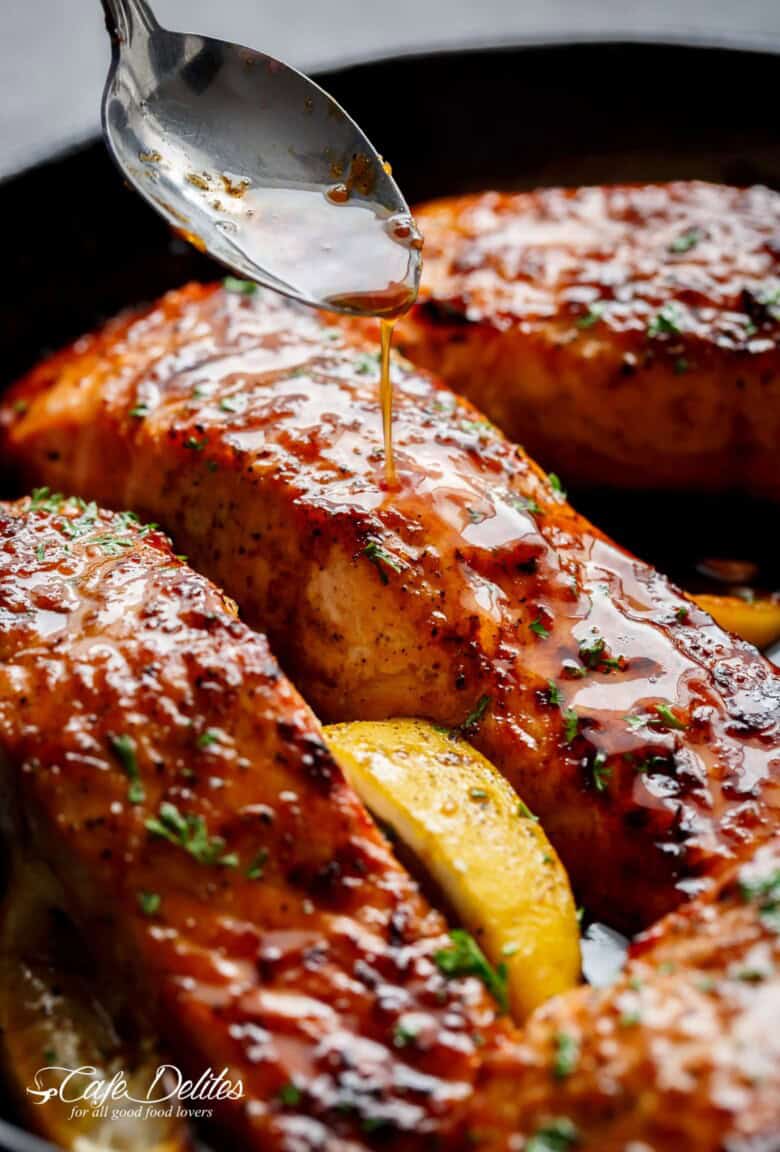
x: 79, y: 246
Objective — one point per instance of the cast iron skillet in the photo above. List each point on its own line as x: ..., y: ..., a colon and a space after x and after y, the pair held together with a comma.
x: 79, y: 246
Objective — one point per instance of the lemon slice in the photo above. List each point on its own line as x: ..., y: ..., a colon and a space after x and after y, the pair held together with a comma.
x: 479, y: 843
x: 757, y: 621
x: 52, y: 1022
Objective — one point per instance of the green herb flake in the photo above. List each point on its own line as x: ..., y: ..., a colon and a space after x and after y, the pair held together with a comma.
x: 686, y: 240
x: 571, y: 722
x: 404, y: 1034
x: 478, y: 794
x: 189, y: 832
x: 235, y: 403
x: 209, y: 737
x: 140, y: 412
x: 538, y: 628
x: 765, y: 893
x: 149, y: 902
x: 239, y: 287
x: 600, y: 772
x: 524, y: 812
x: 682, y: 613
x: 666, y: 322
x: 123, y: 748
x: 40, y: 553
x: 680, y: 366
x: 592, y: 316
x: 465, y: 958
x: 567, y: 1055
x: 256, y: 868
x: 194, y: 444
x: 366, y: 364
x: 668, y: 717
x: 554, y: 694
x: 474, y: 718
x: 555, y: 484
x: 556, y: 1135
x: 382, y: 559
x: 290, y: 1095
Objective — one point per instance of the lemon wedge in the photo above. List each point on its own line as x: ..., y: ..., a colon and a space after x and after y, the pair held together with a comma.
x: 478, y: 842
x: 52, y: 1022
x: 757, y: 621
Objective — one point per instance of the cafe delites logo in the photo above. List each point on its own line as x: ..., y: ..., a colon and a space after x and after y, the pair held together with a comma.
x: 160, y: 1092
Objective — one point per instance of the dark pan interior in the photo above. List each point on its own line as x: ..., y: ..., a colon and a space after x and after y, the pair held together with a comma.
x: 78, y: 246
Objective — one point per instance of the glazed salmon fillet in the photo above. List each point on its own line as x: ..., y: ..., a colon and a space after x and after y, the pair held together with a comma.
x: 644, y: 737
x: 234, y: 895
x: 625, y: 336
x: 199, y: 832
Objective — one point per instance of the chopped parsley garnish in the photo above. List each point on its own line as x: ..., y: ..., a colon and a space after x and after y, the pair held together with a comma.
x: 539, y: 629
x: 366, y: 364
x: 194, y: 444
x: 123, y: 748
x: 40, y: 552
x: 592, y: 316
x: 634, y: 723
x: 403, y: 1034
x: 591, y: 654
x: 525, y: 504
x: 46, y: 500
x: 474, y: 718
x: 256, y: 868
x: 239, y: 287
x: 682, y: 613
x: 382, y: 559
x: 554, y: 694
x: 666, y: 322
x: 686, y: 240
x: 209, y: 737
x: 149, y: 902
x: 555, y: 484
x: 557, y: 1135
x: 567, y: 1055
x: 235, y: 403
x: 189, y: 832
x: 290, y: 1095
x: 465, y: 958
x: 765, y: 892
x: 478, y: 794
x: 668, y: 717
x: 140, y: 411
x: 524, y: 812
x: 571, y: 725
x: 600, y: 772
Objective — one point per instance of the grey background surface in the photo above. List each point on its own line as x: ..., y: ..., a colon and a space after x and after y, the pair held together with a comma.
x: 54, y: 53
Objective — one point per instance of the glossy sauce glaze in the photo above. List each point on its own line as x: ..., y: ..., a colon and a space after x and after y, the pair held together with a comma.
x: 644, y: 736
x: 628, y: 336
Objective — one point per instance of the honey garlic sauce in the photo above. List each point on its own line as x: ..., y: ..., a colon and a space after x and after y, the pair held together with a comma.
x: 646, y: 739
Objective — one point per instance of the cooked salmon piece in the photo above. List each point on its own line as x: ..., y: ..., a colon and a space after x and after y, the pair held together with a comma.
x: 645, y: 738
x: 626, y: 336
x: 682, y: 1053
x: 233, y: 896
x: 231, y: 892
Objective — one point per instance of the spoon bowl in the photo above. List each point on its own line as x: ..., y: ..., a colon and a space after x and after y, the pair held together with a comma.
x: 255, y: 164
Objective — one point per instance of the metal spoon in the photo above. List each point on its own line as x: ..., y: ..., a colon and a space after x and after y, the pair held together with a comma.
x: 256, y: 165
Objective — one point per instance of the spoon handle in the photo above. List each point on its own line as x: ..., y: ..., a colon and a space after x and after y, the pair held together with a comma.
x: 124, y: 17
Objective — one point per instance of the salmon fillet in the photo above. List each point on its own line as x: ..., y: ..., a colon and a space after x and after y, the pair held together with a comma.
x: 223, y: 874
x: 270, y: 932
x: 625, y: 336
x: 644, y: 736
